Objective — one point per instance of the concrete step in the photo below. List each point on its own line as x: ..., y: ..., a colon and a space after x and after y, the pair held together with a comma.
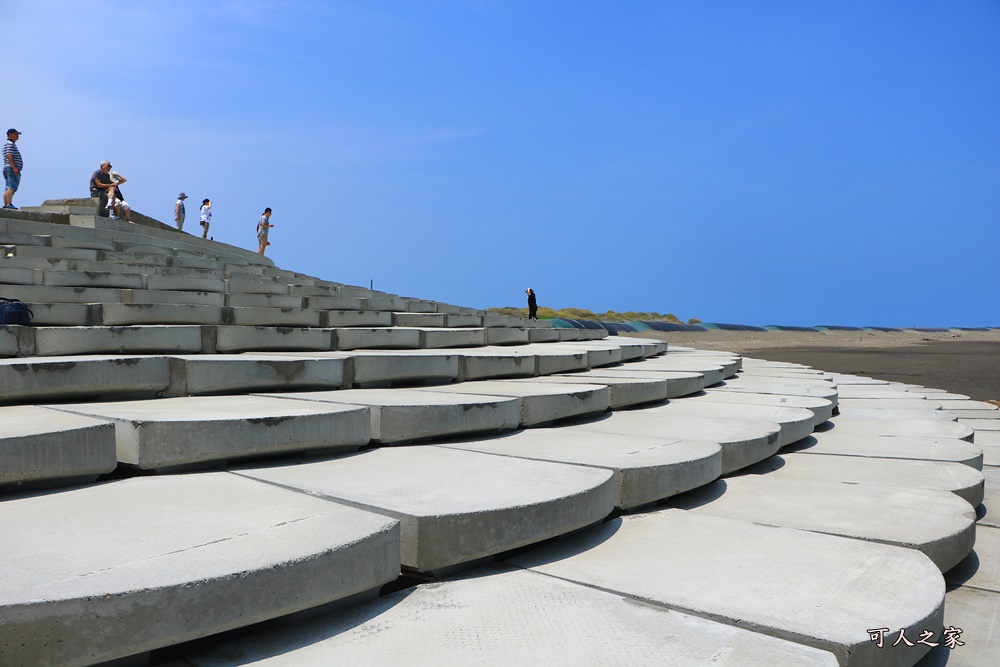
x: 898, y: 414
x: 936, y: 523
x: 48, y: 379
x: 274, y: 317
x: 781, y: 387
x: 385, y: 368
x: 962, y: 480
x: 265, y: 301
x: 821, y: 408
x: 907, y: 428
x: 795, y: 423
x: 128, y: 314
x: 440, y: 338
x: 874, y: 446
x: 538, y: 403
x: 232, y: 339
x: 39, y: 445
x: 519, y: 614
x: 356, y: 338
x: 206, y: 374
x: 114, y: 570
x: 405, y: 319
x: 743, y: 441
x: 357, y: 318
x: 849, y: 405
x: 622, y: 392
x: 737, y: 572
x: 553, y: 359
x: 148, y: 339
x: 713, y: 373
x: 645, y: 469
x: 679, y: 383
x: 167, y: 433
x: 404, y: 415
x: 456, y: 507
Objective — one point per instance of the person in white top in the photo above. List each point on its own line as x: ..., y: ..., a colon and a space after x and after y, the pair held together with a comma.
x: 179, y: 212
x: 117, y: 206
x: 206, y: 217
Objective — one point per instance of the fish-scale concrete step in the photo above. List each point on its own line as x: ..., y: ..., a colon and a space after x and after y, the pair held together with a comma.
x: 40, y: 379
x: 781, y: 387
x: 455, y: 507
x: 679, y: 383
x: 538, y: 403
x: 42, y: 445
x: 739, y: 573
x: 962, y: 480
x: 402, y: 415
x: 553, y: 359
x: 908, y: 428
x: 622, y: 392
x: 206, y: 374
x: 868, y: 445
x: 646, y: 469
x: 168, y: 433
x: 848, y: 405
x: 713, y: 373
x: 795, y: 423
x: 899, y: 414
x: 139, y: 339
x: 821, y: 408
x: 271, y: 339
x: 118, y: 569
x: 936, y: 523
x: 743, y: 441
x: 517, y: 615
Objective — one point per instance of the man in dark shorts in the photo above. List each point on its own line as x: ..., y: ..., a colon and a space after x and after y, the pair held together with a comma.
x: 100, y: 181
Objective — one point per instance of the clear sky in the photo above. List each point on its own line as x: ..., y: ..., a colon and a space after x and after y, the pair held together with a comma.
x: 796, y: 162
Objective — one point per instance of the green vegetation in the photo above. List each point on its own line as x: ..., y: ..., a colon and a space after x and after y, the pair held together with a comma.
x: 583, y: 314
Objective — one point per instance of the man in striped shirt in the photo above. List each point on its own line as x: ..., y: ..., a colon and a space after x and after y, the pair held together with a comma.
x: 12, y: 165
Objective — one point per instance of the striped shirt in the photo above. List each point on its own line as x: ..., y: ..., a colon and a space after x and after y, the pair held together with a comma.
x: 10, y: 148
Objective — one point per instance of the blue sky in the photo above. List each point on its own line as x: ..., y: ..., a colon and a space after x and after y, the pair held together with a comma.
x: 800, y: 162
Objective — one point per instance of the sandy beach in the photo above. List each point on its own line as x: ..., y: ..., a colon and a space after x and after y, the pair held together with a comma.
x: 964, y: 362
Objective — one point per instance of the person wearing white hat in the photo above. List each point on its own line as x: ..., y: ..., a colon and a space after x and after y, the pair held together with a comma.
x: 179, y: 212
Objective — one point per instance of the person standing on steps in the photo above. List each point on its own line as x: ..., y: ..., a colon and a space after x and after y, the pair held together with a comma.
x: 179, y: 212
x: 12, y: 165
x: 206, y: 217
x: 532, y: 304
x: 263, y: 225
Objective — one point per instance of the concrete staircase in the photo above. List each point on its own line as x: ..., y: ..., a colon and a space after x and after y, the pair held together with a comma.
x: 207, y: 460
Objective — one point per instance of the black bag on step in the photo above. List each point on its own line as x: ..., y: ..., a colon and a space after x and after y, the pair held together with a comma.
x: 13, y: 311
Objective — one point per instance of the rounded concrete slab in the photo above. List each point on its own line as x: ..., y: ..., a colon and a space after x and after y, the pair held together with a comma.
x: 515, y: 617
x: 821, y: 408
x: 849, y: 405
x: 973, y: 613
x: 598, y: 352
x: 936, y: 523
x: 814, y: 589
x: 879, y: 391
x: 622, y: 392
x: 170, y: 432
x: 869, y: 446
x: 714, y: 373
x: 400, y: 415
x: 841, y: 378
x: 927, y: 428
x: 67, y: 378
x: 962, y: 480
x: 679, y: 383
x: 237, y: 373
x: 645, y: 469
x: 796, y: 423
x: 989, y: 442
x: 781, y: 387
x: 980, y: 424
x: 556, y: 358
x: 785, y: 373
x: 541, y: 402
x: 38, y: 444
x: 456, y: 506
x: 117, y: 569
x: 743, y: 441
x: 899, y: 414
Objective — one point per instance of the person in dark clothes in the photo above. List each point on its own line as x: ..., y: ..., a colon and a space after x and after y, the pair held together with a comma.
x: 532, y: 304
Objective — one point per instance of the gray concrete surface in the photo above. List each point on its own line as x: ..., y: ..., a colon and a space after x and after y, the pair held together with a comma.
x: 795, y: 423
x: 401, y: 415
x: 456, y: 506
x: 743, y: 441
x: 170, y: 432
x: 908, y: 428
x: 538, y: 402
x: 821, y: 408
x: 239, y: 373
x: 964, y: 481
x: 936, y: 523
x: 112, y: 570
x: 515, y: 617
x: 622, y: 392
x: 38, y: 444
x: 763, y: 577
x: 50, y: 378
x: 781, y: 387
x: 679, y: 383
x: 645, y: 469
x: 868, y: 446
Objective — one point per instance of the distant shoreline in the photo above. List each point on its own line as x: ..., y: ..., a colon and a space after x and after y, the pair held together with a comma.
x: 965, y: 362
